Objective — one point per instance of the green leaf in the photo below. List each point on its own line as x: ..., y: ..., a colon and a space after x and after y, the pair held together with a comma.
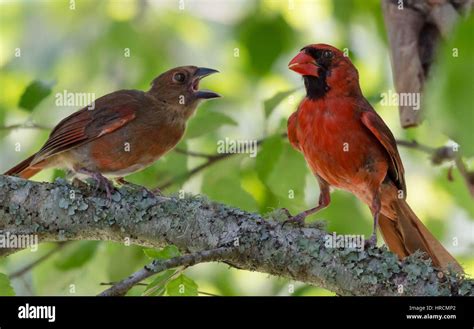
x: 165, y: 253
x: 5, y: 286
x: 222, y: 183
x: 34, y: 93
x: 122, y: 260
x: 271, y: 103
x: 77, y: 255
x: 448, y: 96
x: 287, y: 179
x: 457, y: 189
x: 182, y: 286
x: 348, y: 12
x: 343, y: 206
x: 268, y: 156
x: 157, y: 286
x: 265, y: 37
x: 207, y: 121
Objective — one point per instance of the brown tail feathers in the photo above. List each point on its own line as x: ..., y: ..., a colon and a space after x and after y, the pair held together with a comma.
x: 407, y: 234
x: 23, y: 169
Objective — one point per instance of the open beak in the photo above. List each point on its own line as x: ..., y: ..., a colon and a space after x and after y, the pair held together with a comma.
x: 304, y: 64
x: 203, y: 72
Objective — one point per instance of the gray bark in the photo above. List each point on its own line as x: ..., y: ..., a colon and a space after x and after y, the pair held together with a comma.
x: 59, y: 212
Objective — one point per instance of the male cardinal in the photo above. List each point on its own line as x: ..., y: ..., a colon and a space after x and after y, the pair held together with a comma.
x: 348, y: 146
x: 126, y: 131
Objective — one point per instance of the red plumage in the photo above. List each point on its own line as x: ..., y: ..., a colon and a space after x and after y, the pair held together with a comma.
x: 348, y: 146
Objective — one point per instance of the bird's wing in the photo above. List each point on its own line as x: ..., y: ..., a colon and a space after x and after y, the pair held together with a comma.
x: 109, y: 114
x: 292, y: 131
x: 379, y: 129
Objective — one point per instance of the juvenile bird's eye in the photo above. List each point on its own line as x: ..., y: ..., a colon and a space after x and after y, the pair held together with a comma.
x: 327, y: 54
x: 179, y: 77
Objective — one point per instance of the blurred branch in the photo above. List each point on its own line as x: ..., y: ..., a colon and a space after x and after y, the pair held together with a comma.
x: 415, y: 145
x: 38, y: 261
x: 438, y: 155
x: 157, y: 266
x: 442, y: 154
x: 195, y: 154
x: 25, y: 125
x: 211, y: 159
x: 195, y: 224
x: 205, y: 293
x: 468, y: 176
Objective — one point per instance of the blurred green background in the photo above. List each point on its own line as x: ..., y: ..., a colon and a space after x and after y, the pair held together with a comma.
x: 84, y: 50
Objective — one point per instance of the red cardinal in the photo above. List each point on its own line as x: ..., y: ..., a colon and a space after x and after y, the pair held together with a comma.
x: 127, y: 131
x: 348, y: 146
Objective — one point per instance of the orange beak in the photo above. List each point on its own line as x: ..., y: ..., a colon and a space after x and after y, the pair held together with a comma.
x: 304, y: 65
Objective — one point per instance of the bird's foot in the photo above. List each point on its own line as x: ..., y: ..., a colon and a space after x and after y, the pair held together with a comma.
x: 152, y: 194
x: 157, y: 191
x: 287, y: 212
x: 296, y: 220
x: 76, y: 182
x: 101, y: 181
x: 372, y: 241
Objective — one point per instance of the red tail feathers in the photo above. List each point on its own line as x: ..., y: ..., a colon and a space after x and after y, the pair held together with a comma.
x: 407, y: 234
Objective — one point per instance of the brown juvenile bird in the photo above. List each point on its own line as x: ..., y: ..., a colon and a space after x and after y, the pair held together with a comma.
x: 126, y: 131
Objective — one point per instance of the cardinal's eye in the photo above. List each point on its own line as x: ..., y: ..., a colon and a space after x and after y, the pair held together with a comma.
x: 179, y: 77
x: 327, y: 54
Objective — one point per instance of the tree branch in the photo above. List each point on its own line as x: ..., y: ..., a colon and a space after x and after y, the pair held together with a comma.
x: 38, y: 261
x: 195, y: 154
x: 437, y: 155
x: 25, y: 125
x: 59, y: 212
x: 211, y: 159
x: 157, y: 266
x: 443, y: 154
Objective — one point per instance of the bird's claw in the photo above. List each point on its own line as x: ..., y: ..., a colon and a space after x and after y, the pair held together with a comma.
x: 372, y: 241
x: 157, y: 191
x: 108, y: 188
x: 79, y: 183
x: 296, y: 220
x: 287, y: 212
x: 151, y: 193
x: 105, y: 183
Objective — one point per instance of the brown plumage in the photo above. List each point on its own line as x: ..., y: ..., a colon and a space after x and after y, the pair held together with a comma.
x: 126, y: 131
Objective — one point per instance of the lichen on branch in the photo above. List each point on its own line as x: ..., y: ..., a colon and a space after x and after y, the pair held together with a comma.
x: 59, y: 212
